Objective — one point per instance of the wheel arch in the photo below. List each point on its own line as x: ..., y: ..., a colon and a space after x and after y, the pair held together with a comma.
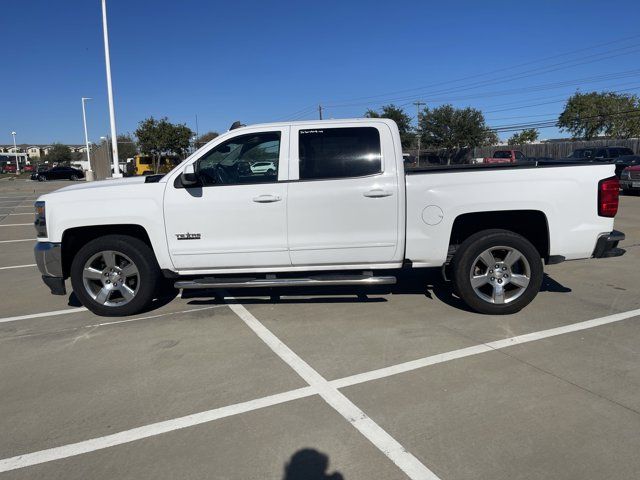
x: 75, y: 238
x: 531, y: 224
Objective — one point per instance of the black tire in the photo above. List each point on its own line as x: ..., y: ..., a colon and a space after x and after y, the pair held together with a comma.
x: 42, y: 178
x: 465, y: 263
x: 148, y: 282
x: 73, y: 178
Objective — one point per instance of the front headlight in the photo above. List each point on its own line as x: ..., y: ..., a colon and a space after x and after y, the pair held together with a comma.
x: 40, y: 220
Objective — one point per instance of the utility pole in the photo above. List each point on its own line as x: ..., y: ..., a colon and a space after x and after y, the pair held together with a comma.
x: 112, y: 113
x: 418, y: 103
x: 320, y: 111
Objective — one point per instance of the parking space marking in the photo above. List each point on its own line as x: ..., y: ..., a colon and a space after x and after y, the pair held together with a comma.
x: 18, y: 266
x: 127, y: 436
x: 20, y: 240
x: 29, y: 213
x: 16, y: 224
x: 43, y: 314
x: 139, y: 433
x: 117, y: 322
x: 481, y: 348
x: 373, y: 432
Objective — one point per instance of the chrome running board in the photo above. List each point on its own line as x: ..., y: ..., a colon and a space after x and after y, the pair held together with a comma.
x: 314, y: 281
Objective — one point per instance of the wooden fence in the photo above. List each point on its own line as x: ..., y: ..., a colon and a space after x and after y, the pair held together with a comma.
x: 547, y: 149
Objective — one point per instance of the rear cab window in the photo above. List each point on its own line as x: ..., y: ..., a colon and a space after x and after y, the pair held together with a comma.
x: 341, y: 152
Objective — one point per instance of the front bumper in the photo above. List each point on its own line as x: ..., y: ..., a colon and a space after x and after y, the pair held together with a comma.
x: 49, y: 260
x: 607, y: 245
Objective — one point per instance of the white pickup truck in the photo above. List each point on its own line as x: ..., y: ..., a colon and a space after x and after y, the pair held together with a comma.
x: 337, y: 208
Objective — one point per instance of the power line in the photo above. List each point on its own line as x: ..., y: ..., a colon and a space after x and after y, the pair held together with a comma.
x: 554, y: 122
x: 535, y: 88
x: 501, y: 79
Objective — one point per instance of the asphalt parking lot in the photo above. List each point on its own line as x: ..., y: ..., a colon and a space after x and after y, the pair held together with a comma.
x: 401, y: 385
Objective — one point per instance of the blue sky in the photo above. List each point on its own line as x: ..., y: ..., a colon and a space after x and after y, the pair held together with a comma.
x: 263, y: 61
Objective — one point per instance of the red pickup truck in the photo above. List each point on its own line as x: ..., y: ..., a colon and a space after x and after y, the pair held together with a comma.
x: 505, y: 156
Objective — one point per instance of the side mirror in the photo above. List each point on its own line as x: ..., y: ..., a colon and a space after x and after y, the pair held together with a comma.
x: 189, y: 177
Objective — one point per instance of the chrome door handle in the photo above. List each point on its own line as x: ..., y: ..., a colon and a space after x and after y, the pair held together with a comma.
x: 377, y: 193
x: 267, y: 198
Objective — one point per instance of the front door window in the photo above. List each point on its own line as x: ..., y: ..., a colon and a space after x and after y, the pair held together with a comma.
x: 245, y: 159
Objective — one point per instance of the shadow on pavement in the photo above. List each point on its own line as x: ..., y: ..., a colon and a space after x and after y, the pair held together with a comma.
x: 309, y: 464
x: 410, y: 282
x: 428, y: 283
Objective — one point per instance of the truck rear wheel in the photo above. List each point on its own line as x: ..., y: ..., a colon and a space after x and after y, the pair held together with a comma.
x: 497, y: 272
x: 115, y: 275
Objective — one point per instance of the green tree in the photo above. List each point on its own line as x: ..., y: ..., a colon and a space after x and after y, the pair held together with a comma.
x: 450, y: 128
x: 587, y: 115
x: 161, y: 137
x: 398, y: 115
x: 127, y: 147
x: 528, y: 135
x: 58, y: 153
x: 205, y: 138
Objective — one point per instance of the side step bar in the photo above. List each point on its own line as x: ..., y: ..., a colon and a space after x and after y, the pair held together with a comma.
x: 315, y: 281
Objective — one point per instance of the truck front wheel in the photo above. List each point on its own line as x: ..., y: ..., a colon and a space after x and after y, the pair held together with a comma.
x: 497, y: 272
x: 115, y: 275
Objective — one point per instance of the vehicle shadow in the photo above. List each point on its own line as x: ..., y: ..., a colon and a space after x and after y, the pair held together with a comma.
x: 427, y: 282
x: 309, y: 464
x: 165, y: 299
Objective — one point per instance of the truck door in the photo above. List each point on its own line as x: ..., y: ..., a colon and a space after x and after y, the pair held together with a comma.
x: 344, y: 200
x: 236, y: 217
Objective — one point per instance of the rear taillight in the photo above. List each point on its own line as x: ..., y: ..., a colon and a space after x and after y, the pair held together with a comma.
x: 608, y: 197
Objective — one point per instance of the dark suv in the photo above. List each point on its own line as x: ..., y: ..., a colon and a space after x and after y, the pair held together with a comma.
x: 621, y: 156
x: 600, y: 154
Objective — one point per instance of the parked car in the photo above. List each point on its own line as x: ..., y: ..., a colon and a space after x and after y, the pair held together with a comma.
x: 600, y: 154
x: 342, y: 204
x: 9, y: 168
x: 630, y: 179
x: 58, y: 173
x: 625, y: 161
x: 28, y: 168
x: 505, y: 156
x: 265, y: 168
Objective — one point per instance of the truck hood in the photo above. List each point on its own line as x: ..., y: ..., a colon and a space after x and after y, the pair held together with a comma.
x: 102, y: 184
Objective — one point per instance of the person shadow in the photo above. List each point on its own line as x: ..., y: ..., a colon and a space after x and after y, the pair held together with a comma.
x: 309, y: 464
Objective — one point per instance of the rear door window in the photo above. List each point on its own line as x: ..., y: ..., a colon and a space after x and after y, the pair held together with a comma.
x: 327, y: 153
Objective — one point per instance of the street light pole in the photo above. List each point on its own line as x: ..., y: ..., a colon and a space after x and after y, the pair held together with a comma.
x: 15, y: 150
x: 112, y: 113
x: 86, y: 135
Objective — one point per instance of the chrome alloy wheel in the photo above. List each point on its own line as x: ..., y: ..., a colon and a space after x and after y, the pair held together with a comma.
x: 111, y: 278
x: 500, y: 274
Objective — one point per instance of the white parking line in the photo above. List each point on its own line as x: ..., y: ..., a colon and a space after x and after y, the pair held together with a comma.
x: 373, y: 432
x: 126, y: 436
x: 20, y: 240
x: 16, y: 225
x: 18, y: 266
x: 29, y: 213
x: 43, y: 314
x: 476, y: 349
